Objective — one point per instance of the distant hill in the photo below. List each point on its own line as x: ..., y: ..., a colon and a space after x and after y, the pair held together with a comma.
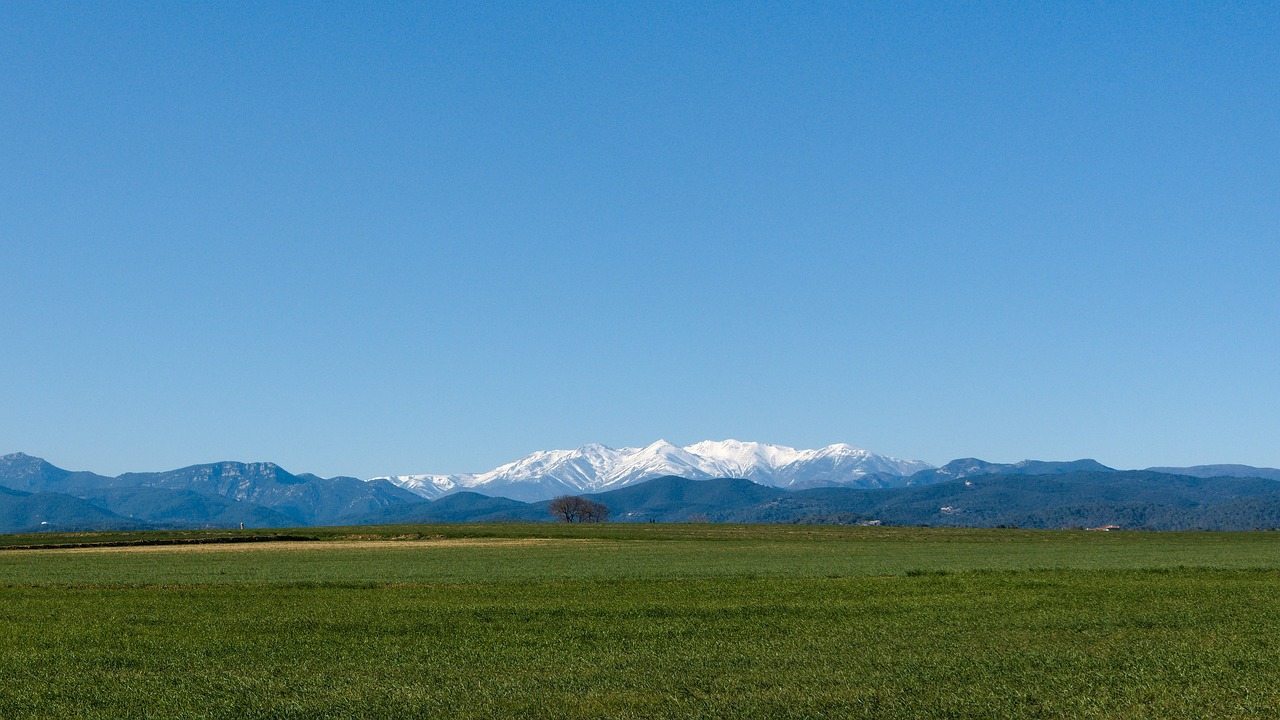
x: 1245, y: 471
x: 677, y: 499
x: 300, y: 499
x: 970, y: 467
x: 1127, y: 499
x: 20, y: 471
x: 40, y: 512
x: 162, y: 507
x: 221, y: 494
x: 458, y: 507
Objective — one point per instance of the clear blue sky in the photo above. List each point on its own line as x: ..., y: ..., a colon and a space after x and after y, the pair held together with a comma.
x: 366, y: 239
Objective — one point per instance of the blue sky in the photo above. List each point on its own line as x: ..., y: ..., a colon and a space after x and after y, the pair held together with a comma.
x: 366, y: 239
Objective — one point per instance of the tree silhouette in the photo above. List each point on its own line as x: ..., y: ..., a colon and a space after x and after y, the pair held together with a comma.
x: 594, y: 512
x: 575, y: 508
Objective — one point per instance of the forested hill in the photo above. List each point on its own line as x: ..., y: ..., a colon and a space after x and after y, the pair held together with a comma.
x: 1127, y: 499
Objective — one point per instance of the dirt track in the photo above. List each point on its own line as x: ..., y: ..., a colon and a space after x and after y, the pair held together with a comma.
x: 309, y: 545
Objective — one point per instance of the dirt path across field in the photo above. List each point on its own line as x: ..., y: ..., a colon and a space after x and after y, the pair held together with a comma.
x: 278, y: 545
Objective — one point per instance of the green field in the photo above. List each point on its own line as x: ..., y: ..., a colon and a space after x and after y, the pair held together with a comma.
x: 645, y: 621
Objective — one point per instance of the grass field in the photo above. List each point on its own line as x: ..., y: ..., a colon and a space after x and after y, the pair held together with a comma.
x: 645, y: 621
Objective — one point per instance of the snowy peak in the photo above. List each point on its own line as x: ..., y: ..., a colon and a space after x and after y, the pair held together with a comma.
x: 746, y: 456
x: 595, y: 467
x: 786, y: 467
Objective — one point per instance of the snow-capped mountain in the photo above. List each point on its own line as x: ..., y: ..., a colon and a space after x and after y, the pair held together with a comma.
x: 594, y: 468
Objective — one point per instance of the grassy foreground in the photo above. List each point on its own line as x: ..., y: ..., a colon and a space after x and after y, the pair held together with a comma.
x: 647, y: 621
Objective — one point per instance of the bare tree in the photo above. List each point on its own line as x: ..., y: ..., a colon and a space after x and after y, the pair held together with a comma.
x: 567, y: 507
x: 594, y: 512
x: 575, y: 508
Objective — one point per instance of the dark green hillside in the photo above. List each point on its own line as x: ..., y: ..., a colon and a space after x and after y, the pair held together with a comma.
x: 33, y: 512
x: 304, y: 500
x: 210, y: 495
x: 458, y: 507
x: 1245, y: 471
x: 971, y: 467
x: 667, y: 499
x: 187, y: 508
x: 1131, y: 499
x: 870, y: 481
x: 675, y: 499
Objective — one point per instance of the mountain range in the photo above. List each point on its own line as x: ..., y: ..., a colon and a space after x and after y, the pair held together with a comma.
x: 597, y: 468
x: 1129, y: 499
x: 222, y: 494
x: 836, y: 484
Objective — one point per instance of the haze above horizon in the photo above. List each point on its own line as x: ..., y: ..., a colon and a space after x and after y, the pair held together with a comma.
x: 366, y: 240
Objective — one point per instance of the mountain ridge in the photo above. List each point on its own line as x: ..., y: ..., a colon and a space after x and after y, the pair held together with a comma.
x: 596, y: 468
x: 225, y: 493
x: 1123, y: 499
x: 38, y: 496
x: 1224, y: 470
